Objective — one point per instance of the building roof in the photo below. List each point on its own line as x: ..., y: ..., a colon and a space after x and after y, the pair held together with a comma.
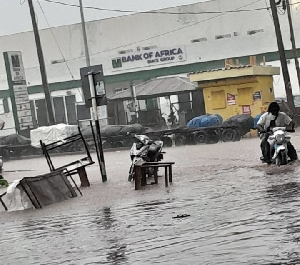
x: 234, y: 72
x: 159, y: 87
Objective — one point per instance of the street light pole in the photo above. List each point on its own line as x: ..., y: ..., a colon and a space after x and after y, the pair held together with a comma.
x: 49, y: 106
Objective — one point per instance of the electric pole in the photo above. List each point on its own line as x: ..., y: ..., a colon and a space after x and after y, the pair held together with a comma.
x: 292, y: 35
x: 98, y: 143
x: 85, y: 43
x: 284, y: 67
x: 49, y: 106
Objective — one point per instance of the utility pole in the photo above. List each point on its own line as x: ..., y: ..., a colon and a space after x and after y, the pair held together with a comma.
x: 49, y: 106
x: 135, y: 101
x: 86, y: 48
x: 284, y: 67
x: 100, y: 154
x: 98, y: 143
x: 292, y: 35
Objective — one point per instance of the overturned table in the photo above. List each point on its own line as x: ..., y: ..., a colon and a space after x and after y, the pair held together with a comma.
x: 39, y: 191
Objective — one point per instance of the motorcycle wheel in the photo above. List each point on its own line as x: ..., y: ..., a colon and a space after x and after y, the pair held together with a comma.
x: 131, y: 177
x: 281, y: 159
x: 131, y: 174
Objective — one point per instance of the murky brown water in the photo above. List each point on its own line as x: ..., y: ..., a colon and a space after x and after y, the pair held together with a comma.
x: 240, y: 213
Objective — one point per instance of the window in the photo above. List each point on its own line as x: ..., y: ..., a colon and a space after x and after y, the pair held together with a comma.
x: 218, y: 99
x: 218, y: 37
x: 116, y: 63
x: 149, y: 48
x: 252, y: 32
x: 125, y: 51
x: 198, y: 40
x: 245, y: 96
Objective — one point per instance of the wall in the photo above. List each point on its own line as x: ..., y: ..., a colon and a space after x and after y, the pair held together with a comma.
x: 243, y: 89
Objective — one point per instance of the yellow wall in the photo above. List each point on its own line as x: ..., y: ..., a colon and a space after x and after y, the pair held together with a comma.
x: 215, y: 95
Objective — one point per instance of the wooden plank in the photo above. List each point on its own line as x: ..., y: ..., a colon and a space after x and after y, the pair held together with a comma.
x: 155, y: 176
x: 166, y: 176
x: 83, y: 177
x: 170, y: 174
x: 138, y: 177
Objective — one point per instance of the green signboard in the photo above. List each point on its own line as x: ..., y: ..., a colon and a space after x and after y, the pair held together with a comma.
x: 18, y: 92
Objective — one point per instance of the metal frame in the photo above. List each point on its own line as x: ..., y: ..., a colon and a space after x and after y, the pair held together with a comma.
x: 78, y: 137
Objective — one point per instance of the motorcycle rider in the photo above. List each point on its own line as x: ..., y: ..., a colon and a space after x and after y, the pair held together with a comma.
x: 271, y: 119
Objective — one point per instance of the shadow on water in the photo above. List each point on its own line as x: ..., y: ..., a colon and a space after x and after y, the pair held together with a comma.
x: 285, y: 209
x: 284, y: 192
x: 116, y: 250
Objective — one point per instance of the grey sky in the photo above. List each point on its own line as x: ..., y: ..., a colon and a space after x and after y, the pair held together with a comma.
x: 14, y: 14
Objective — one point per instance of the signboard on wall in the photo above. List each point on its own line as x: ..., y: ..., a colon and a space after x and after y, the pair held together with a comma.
x: 150, y: 58
x: 257, y: 95
x: 18, y: 91
x: 231, y: 100
x: 246, y: 109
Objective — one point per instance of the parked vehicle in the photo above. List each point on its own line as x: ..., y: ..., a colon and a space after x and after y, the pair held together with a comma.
x: 146, y: 150
x: 278, y: 141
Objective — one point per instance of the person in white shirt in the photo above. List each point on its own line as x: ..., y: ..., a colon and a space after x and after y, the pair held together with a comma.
x: 274, y: 118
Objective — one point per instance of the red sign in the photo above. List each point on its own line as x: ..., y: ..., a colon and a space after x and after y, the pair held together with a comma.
x: 231, y: 100
x: 246, y: 109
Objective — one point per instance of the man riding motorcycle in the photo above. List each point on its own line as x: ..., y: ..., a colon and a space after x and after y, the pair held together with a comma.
x: 271, y: 119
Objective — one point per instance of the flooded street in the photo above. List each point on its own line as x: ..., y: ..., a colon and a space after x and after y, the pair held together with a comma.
x: 240, y: 212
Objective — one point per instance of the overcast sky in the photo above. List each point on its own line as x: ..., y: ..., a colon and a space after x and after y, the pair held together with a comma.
x: 14, y: 14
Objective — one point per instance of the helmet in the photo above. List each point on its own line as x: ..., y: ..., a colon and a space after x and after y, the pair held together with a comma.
x: 274, y: 108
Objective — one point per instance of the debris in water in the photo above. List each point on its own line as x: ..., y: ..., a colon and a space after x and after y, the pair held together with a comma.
x: 181, y: 216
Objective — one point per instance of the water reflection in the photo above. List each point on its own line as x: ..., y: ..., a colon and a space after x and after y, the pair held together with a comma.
x: 284, y: 192
x: 283, y: 198
x: 116, y: 249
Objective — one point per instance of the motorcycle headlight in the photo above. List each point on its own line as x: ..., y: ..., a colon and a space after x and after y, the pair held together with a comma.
x: 279, y: 138
x: 139, y: 145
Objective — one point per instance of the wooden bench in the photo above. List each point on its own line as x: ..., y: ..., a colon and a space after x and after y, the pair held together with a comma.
x: 142, y: 169
x: 75, y: 167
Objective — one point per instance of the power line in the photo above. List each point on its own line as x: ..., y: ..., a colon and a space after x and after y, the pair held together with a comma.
x: 162, y: 34
x: 159, y: 35
x: 60, y: 50
x: 172, y: 31
x: 155, y: 12
x: 161, y: 12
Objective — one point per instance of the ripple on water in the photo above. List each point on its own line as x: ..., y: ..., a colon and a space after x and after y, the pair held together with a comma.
x: 238, y: 215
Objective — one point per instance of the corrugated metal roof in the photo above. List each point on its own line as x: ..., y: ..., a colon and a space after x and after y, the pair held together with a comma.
x: 159, y: 87
x: 222, y: 69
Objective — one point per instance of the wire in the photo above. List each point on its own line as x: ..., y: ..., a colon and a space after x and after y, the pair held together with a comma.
x: 269, y: 10
x: 154, y: 12
x: 161, y: 12
x: 172, y: 31
x: 59, y: 48
x: 159, y: 35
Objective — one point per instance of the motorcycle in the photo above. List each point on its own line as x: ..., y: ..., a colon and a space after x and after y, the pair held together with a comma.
x: 144, y: 149
x: 278, y: 141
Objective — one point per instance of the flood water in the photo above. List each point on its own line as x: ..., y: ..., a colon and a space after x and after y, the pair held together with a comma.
x: 240, y: 212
